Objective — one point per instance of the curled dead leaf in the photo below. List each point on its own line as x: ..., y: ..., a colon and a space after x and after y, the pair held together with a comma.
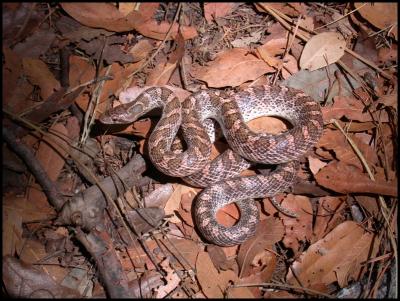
x: 344, y: 178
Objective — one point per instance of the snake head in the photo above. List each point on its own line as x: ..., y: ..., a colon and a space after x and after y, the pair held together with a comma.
x: 122, y: 114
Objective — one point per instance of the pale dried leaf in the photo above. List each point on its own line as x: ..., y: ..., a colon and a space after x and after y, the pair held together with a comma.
x: 317, y: 83
x: 172, y: 279
x: 315, y: 164
x: 321, y: 50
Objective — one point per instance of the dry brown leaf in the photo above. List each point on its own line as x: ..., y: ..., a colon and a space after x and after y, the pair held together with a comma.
x: 186, y: 207
x: 289, y: 66
x: 381, y: 15
x: 12, y: 69
x: 208, y: 276
x: 228, y: 277
x: 146, y: 9
x: 299, y: 228
x: 276, y: 31
x: 336, y: 257
x: 388, y: 54
x: 52, y: 157
x: 80, y: 70
x: 141, y: 49
x: 352, y: 109
x: 329, y: 213
x: 269, y: 231
x: 232, y: 68
x: 368, y: 203
x: 344, y: 178
x: 216, y: 10
x: 321, y: 50
x: 99, y: 15
x: 174, y: 201
x: 308, y: 23
x: 161, y: 74
x: 270, y: 49
x: 107, y: 16
x: 111, y: 87
x: 37, y: 44
x: 228, y: 215
x: 12, y: 224
x: 267, y: 124
x: 214, y: 284
x: 155, y: 30
x: 39, y: 74
x: 17, y: 89
x: 389, y: 100
x: 336, y: 141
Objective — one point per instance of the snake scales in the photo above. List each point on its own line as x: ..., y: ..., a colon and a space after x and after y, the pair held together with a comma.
x: 195, y: 116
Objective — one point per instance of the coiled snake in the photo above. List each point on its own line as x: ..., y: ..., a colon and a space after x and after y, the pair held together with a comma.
x: 221, y: 178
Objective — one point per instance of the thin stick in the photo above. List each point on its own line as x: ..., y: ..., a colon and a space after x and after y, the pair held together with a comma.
x: 267, y: 284
x: 384, y: 208
x: 342, y: 17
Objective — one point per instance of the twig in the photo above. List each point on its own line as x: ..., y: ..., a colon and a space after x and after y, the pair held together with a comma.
x: 91, y: 110
x: 28, y: 17
x: 287, y: 49
x: 26, y: 154
x: 383, y: 206
x: 342, y: 17
x: 268, y: 284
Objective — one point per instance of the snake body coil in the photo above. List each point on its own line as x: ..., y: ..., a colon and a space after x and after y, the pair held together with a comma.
x: 221, y: 176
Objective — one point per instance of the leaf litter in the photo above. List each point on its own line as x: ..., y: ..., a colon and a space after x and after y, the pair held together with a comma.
x: 346, y: 225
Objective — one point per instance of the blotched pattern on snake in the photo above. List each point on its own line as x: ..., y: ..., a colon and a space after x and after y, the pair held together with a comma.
x: 196, y: 117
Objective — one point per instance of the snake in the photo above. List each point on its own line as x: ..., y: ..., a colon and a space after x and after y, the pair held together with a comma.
x: 199, y: 118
